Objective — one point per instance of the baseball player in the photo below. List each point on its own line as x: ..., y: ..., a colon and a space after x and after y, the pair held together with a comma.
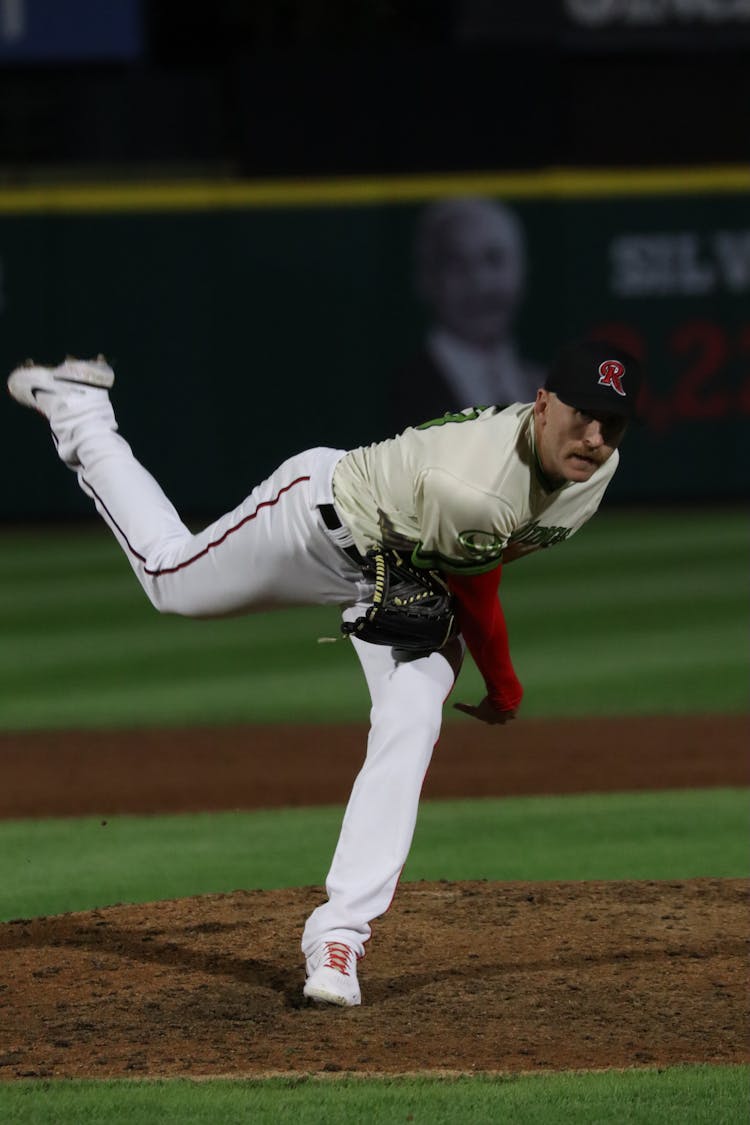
x: 409, y: 536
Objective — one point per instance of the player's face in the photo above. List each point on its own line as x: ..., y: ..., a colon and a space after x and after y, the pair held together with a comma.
x: 477, y: 277
x: 572, y: 445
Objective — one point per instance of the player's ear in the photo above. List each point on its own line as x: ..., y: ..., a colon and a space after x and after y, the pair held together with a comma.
x: 541, y: 403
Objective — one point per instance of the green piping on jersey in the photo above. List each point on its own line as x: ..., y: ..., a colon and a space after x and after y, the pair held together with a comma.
x: 433, y: 560
x: 459, y: 416
x: 480, y: 544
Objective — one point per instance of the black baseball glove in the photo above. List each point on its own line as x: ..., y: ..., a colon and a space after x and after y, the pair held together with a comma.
x: 412, y: 610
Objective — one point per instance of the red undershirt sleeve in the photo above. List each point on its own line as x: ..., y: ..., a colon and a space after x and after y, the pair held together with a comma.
x: 482, y: 622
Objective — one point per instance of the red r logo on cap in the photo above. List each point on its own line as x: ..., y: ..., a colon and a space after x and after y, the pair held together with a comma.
x: 611, y: 372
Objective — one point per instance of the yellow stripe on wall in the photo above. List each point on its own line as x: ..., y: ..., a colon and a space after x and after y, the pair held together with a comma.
x: 215, y: 195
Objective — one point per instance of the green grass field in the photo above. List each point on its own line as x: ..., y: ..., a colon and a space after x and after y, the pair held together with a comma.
x: 54, y: 865
x: 639, y: 613
x: 51, y: 866
x: 696, y: 1095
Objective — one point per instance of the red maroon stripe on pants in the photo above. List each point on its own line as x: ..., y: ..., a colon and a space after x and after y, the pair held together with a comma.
x: 209, y: 547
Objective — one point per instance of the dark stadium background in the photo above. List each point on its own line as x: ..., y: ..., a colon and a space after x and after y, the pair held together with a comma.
x: 312, y: 303
x: 312, y: 88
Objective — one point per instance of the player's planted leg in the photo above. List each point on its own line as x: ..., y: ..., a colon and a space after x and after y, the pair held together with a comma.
x: 376, y: 834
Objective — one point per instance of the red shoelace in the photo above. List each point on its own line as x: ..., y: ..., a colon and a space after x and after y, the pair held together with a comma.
x: 337, y: 957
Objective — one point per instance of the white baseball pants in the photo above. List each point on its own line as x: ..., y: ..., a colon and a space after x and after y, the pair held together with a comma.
x: 274, y: 550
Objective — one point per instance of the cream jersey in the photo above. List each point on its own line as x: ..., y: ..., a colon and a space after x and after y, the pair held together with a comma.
x: 462, y: 493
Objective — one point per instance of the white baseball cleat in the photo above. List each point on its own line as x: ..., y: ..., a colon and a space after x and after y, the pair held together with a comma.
x: 332, y: 975
x: 40, y: 387
x: 72, y: 397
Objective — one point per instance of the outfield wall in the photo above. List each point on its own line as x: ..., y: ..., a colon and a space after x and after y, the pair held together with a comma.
x: 250, y: 320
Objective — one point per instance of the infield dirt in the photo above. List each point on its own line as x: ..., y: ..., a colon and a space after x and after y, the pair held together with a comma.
x: 460, y: 977
x: 202, y: 769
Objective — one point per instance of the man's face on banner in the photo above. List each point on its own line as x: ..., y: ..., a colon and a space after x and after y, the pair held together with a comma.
x: 475, y: 272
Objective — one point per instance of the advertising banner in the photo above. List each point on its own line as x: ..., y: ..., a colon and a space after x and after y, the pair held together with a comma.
x: 244, y: 329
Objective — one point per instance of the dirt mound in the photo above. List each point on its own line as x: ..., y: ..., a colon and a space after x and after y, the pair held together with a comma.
x: 461, y: 976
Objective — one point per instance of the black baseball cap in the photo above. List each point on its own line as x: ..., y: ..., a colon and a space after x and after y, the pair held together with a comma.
x: 596, y: 377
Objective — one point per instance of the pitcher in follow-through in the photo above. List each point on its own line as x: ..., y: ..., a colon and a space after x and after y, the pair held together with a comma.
x: 409, y: 536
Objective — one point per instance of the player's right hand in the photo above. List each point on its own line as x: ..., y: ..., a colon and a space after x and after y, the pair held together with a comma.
x: 486, y: 712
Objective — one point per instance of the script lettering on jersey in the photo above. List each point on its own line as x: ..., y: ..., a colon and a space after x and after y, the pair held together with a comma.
x: 532, y: 536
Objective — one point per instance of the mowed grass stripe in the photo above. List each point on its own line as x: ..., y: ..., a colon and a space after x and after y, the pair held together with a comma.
x: 232, y: 690
x: 691, y: 1095
x: 222, y: 695
x: 90, y: 553
x: 546, y: 615
x: 74, y: 550
x: 221, y: 701
x: 651, y: 673
x: 637, y: 613
x: 702, y: 531
x: 30, y: 596
x: 700, y: 526
x: 115, y: 594
x: 234, y: 674
x: 61, y: 864
x: 569, y: 614
x: 160, y: 636
x: 687, y: 692
x: 78, y: 552
x: 671, y: 638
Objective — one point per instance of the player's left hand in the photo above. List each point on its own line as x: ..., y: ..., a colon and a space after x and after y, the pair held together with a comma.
x: 486, y: 712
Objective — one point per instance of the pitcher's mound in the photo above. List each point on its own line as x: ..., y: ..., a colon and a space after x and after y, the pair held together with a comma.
x: 460, y: 977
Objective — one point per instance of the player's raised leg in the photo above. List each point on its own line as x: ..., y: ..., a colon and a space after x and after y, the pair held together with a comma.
x: 376, y: 834
x: 272, y: 549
